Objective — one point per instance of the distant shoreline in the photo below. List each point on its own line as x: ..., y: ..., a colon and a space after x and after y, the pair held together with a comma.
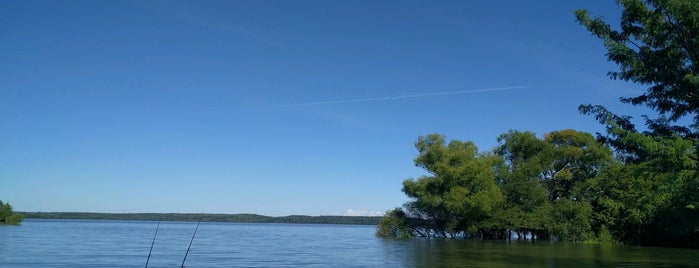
x: 205, y: 217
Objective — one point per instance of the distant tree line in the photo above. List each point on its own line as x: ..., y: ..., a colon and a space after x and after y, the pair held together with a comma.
x: 627, y: 185
x: 8, y: 216
x: 205, y: 217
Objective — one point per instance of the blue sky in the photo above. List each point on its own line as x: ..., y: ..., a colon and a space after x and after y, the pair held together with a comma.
x: 275, y: 107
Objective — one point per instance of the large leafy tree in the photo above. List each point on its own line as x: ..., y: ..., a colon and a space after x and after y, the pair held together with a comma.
x: 560, y: 162
x: 544, y: 181
x: 650, y: 196
x: 569, y: 185
x: 654, y: 194
x: 656, y: 45
x: 526, y: 207
x: 528, y: 185
x: 460, y: 192
x: 572, y: 157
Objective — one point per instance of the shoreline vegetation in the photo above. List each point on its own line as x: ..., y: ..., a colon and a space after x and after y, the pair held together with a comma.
x: 8, y: 216
x: 631, y: 185
x: 205, y: 217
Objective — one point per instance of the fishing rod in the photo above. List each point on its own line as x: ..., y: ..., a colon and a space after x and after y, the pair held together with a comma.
x: 190, y: 241
x: 152, y: 243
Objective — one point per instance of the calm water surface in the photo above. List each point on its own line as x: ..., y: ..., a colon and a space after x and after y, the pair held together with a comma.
x: 84, y: 243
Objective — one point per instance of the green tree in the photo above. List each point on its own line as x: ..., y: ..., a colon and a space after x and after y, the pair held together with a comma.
x: 460, y: 194
x: 650, y: 196
x: 572, y: 157
x: 570, y: 220
x: 7, y: 216
x: 397, y: 223
x: 525, y: 207
x: 656, y: 45
x: 531, y: 186
x: 544, y: 181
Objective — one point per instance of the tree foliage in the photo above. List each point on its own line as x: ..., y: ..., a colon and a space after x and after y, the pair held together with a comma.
x: 627, y: 185
x: 653, y: 191
x: 649, y: 196
x: 566, y: 185
x: 461, y: 191
x: 7, y: 215
x: 396, y: 223
x: 518, y: 188
x: 545, y: 174
x: 656, y: 45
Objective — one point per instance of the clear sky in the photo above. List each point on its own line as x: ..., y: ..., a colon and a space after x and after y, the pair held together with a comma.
x: 275, y: 107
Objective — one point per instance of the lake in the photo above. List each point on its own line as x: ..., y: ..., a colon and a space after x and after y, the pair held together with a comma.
x: 86, y: 243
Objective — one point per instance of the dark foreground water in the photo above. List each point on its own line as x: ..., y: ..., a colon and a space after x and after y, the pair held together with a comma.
x: 83, y: 243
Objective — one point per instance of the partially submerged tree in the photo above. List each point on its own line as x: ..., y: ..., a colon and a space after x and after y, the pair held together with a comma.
x: 569, y: 186
x: 518, y: 188
x: 544, y: 180
x: 397, y: 223
x: 459, y: 194
x: 656, y: 45
x: 526, y: 197
x: 7, y: 216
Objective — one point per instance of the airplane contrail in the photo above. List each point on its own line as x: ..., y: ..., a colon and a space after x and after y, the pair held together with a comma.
x: 419, y: 95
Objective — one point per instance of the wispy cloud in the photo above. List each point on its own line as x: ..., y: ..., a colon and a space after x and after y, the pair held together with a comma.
x: 182, y: 12
x: 400, y: 97
x: 228, y: 27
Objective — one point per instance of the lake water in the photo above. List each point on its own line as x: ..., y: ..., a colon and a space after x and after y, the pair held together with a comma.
x: 85, y: 243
